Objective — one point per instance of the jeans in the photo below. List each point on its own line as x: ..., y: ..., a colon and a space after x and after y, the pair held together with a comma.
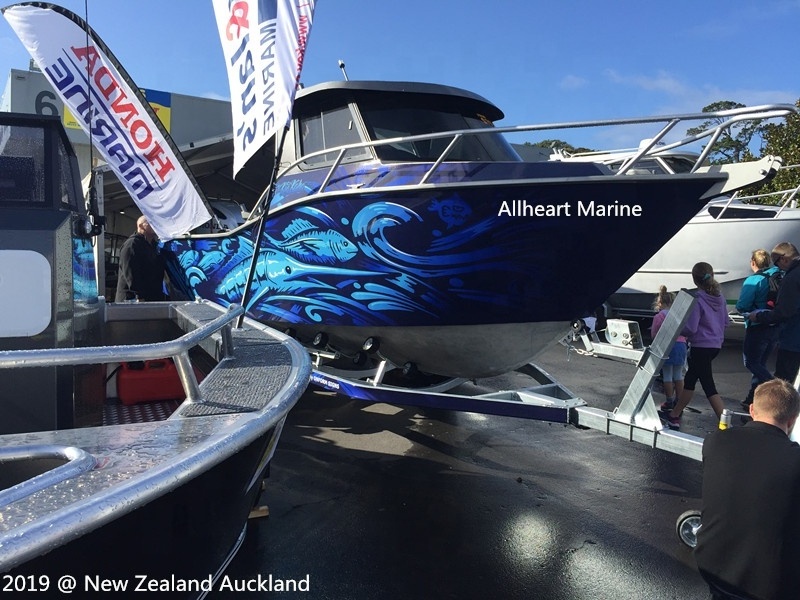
x: 787, y: 364
x: 759, y: 342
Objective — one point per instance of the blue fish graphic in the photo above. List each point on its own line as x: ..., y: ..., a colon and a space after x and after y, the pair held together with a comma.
x: 310, y: 244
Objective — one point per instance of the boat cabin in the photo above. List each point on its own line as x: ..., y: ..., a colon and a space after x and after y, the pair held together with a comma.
x: 48, y: 293
x: 48, y: 288
x: 339, y: 113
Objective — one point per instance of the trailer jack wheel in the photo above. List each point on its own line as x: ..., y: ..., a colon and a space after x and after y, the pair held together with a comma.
x: 687, y: 526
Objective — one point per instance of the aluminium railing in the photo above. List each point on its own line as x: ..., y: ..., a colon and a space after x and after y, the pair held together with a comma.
x: 788, y: 198
x: 728, y: 118
x: 177, y: 349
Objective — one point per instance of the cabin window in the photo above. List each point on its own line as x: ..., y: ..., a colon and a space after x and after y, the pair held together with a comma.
x: 662, y: 165
x: 68, y: 193
x: 330, y: 129
x: 384, y: 122
x: 21, y: 164
x: 679, y: 164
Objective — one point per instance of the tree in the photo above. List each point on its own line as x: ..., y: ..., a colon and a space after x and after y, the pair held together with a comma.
x: 783, y: 139
x: 734, y: 145
x: 560, y: 145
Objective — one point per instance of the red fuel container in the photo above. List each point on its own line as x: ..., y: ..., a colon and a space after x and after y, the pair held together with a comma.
x: 149, y: 381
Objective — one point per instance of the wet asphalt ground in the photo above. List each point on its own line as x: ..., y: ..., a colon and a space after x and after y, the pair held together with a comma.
x: 372, y: 501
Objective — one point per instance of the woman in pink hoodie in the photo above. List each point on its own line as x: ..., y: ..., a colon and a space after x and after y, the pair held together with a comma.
x: 705, y: 331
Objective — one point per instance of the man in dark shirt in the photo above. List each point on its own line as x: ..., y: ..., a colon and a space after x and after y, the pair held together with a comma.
x: 749, y: 543
x: 786, y: 313
x: 141, y: 267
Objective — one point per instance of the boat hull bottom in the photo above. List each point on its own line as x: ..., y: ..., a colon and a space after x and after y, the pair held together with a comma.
x: 188, y: 534
x: 452, y: 351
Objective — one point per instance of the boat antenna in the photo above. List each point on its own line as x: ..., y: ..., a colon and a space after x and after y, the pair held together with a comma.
x: 341, y: 66
x: 97, y: 221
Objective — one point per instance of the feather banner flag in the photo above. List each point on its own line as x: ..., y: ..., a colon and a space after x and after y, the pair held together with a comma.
x: 112, y: 111
x: 264, y: 43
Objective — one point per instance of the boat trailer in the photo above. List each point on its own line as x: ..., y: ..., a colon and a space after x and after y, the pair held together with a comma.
x: 636, y: 418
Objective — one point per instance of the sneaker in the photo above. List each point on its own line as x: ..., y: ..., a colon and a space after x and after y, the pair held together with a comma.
x: 674, y: 423
x: 667, y: 406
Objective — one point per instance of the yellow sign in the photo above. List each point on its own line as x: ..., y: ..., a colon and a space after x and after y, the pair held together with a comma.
x: 160, y: 102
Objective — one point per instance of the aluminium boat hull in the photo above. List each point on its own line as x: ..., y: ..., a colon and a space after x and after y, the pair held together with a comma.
x: 165, y: 495
x: 199, y: 527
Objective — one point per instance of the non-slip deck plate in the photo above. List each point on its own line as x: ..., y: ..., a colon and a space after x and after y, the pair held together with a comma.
x: 147, y: 412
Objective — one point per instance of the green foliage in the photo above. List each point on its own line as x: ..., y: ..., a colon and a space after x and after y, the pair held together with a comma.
x: 559, y: 145
x: 735, y: 142
x: 783, y: 139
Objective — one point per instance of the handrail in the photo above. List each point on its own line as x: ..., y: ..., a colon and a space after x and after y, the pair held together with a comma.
x: 45, y: 357
x: 788, y: 198
x: 76, y: 461
x: 730, y: 116
x: 177, y: 349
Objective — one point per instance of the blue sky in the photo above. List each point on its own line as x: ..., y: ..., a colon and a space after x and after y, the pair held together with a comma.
x: 539, y: 62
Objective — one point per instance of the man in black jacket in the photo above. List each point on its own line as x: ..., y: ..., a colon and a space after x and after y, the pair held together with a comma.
x: 141, y: 267
x: 749, y: 543
x: 786, y: 313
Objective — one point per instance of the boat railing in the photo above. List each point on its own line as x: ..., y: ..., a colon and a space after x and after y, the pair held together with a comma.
x: 653, y: 146
x: 786, y: 198
x: 177, y: 349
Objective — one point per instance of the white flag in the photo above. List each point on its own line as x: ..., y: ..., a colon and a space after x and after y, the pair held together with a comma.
x: 264, y: 42
x: 109, y: 107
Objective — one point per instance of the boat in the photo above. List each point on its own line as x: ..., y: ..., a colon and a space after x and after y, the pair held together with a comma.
x: 402, y: 227
x: 140, y: 477
x: 724, y: 234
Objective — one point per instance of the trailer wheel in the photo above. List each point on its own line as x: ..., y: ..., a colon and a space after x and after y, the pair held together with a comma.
x: 687, y: 526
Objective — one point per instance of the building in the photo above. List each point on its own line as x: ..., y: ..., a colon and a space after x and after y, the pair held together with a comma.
x: 200, y: 127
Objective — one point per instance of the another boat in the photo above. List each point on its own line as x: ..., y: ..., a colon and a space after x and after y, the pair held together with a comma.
x: 403, y: 223
x: 724, y: 233
x: 120, y: 492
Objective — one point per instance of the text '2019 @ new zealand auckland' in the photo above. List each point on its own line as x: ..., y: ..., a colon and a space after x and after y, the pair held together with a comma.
x: 522, y: 208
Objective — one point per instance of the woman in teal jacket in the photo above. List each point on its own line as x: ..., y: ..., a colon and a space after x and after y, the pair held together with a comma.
x: 759, y: 338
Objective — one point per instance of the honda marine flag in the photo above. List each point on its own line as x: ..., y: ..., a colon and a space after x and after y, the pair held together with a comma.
x: 264, y: 42
x: 112, y: 111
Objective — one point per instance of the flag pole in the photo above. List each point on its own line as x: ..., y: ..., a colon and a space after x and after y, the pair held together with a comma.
x: 261, y: 226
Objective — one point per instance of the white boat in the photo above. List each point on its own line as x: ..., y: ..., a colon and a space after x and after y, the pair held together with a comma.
x: 724, y: 233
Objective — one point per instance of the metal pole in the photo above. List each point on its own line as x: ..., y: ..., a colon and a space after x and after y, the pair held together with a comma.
x: 261, y: 226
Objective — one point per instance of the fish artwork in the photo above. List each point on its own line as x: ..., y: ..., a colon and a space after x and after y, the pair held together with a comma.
x: 313, y: 245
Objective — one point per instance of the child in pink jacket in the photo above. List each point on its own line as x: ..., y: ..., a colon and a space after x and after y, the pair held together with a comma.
x: 672, y: 371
